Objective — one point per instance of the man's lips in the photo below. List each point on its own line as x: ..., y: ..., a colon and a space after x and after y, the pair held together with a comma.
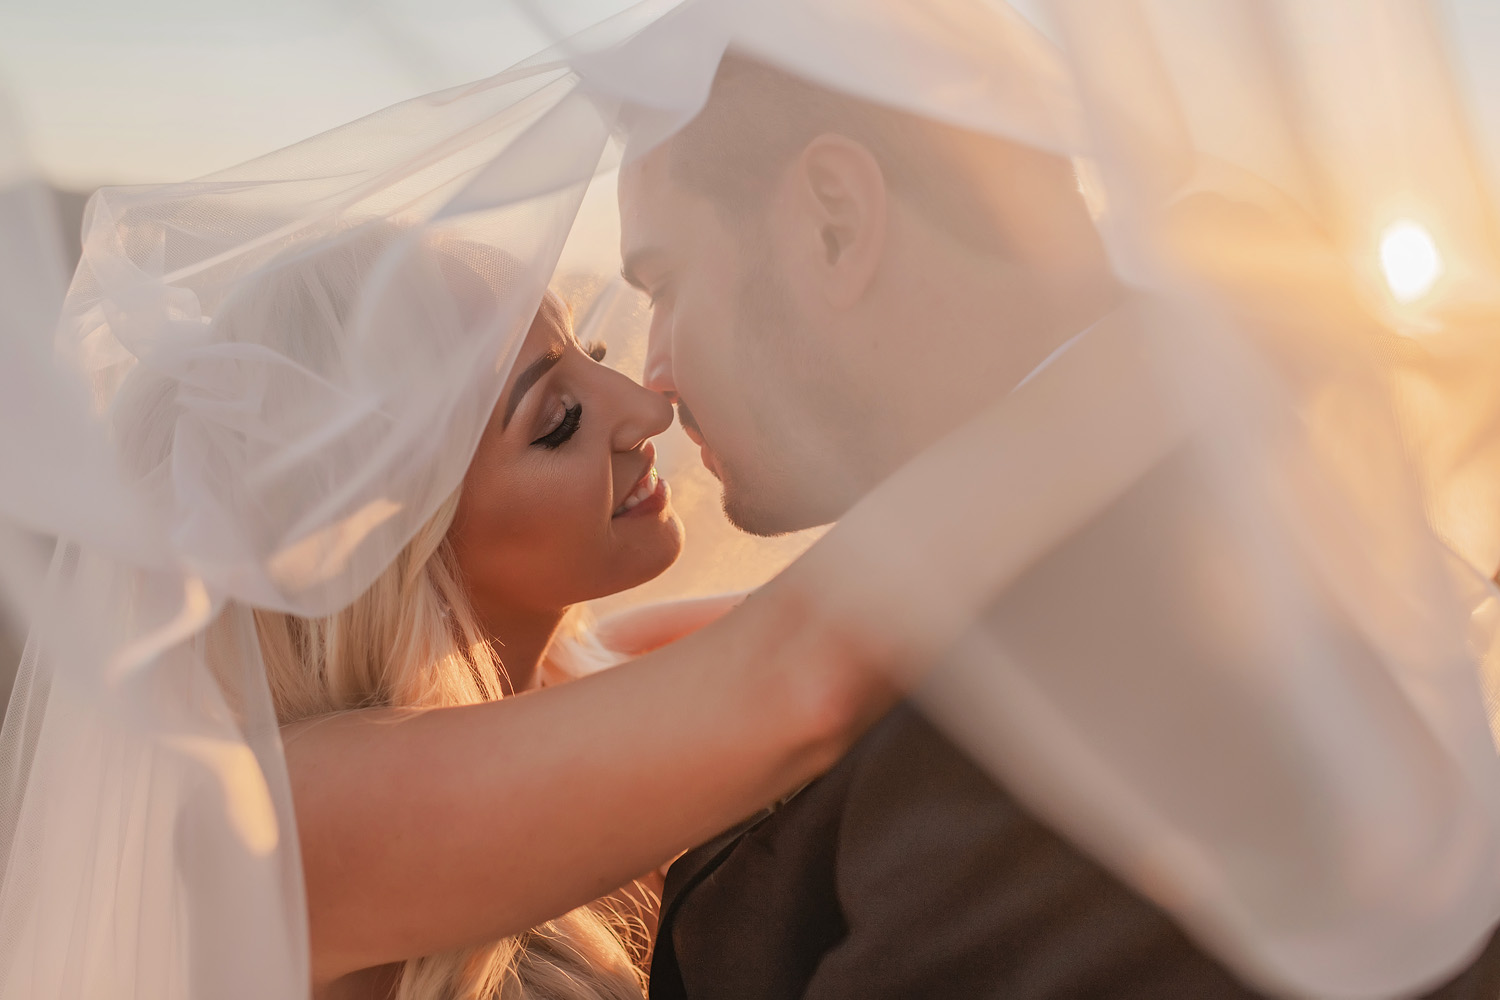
x: 710, y: 461
x: 690, y: 427
x: 705, y: 454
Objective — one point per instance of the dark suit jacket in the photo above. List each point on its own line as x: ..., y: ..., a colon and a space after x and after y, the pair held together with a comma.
x: 906, y: 872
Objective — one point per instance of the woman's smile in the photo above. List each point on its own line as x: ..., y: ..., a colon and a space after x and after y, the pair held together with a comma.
x: 649, y: 497
x: 647, y: 492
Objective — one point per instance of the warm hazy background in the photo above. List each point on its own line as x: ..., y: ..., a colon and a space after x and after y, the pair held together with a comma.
x: 142, y: 91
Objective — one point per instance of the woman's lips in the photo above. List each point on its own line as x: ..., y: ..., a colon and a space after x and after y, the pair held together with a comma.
x: 649, y: 494
x: 649, y: 497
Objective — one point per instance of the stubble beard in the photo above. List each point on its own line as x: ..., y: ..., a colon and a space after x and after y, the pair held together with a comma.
x: 762, y: 492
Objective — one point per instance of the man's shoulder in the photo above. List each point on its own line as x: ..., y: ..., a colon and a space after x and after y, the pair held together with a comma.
x: 902, y: 758
x: 905, y: 762
x: 753, y: 912
x: 915, y: 805
x: 820, y: 897
x: 907, y: 832
x: 870, y: 793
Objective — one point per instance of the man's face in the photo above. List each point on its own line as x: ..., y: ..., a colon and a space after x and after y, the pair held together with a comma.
x: 730, y: 345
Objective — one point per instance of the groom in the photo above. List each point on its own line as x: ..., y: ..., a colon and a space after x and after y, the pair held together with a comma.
x: 835, y: 285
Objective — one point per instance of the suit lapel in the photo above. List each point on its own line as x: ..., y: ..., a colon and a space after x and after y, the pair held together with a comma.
x: 697, y: 864
x: 686, y: 872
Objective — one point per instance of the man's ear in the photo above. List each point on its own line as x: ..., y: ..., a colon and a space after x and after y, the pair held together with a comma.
x: 844, y: 195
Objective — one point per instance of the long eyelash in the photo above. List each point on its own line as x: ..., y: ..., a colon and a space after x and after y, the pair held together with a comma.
x: 558, y: 436
x: 596, y: 349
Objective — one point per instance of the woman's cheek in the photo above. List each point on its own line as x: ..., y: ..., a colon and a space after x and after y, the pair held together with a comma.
x: 575, y: 505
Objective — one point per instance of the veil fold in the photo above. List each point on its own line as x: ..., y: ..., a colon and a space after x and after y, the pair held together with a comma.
x: 262, y: 384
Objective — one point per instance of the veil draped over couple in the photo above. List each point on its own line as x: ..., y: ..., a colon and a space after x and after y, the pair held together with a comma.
x: 1143, y: 367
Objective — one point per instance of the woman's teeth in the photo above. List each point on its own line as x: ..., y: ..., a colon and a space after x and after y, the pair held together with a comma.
x: 644, y: 490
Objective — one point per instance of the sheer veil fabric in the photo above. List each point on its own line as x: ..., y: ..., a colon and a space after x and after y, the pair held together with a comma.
x: 1263, y: 498
x: 31, y: 289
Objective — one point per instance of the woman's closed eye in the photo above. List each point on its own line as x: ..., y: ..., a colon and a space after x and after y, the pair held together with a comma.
x: 565, y: 426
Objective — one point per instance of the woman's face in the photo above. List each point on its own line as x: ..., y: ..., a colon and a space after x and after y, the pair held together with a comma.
x: 562, y: 502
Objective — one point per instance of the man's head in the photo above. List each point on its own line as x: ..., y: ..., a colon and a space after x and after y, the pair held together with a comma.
x: 835, y: 284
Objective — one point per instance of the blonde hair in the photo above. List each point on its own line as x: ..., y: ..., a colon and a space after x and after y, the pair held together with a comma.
x: 412, y: 638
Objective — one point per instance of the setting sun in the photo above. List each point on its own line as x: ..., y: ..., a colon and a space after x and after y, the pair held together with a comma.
x: 1410, y: 260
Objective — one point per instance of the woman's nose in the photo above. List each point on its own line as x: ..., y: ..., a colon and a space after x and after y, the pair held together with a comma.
x: 644, y: 413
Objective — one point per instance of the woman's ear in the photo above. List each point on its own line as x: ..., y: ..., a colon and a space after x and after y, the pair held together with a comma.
x: 844, y: 200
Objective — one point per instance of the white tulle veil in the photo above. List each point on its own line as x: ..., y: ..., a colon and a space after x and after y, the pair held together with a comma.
x: 1243, y: 542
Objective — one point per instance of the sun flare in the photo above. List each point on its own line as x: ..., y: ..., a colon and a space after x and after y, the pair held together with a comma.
x: 1410, y: 259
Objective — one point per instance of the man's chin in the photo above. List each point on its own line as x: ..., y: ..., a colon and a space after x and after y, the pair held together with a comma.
x: 764, y: 515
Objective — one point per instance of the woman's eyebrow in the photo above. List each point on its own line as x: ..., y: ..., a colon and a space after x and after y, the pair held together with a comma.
x: 528, y: 378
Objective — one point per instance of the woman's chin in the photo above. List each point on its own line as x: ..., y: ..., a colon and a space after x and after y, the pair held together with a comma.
x: 652, y: 534
x: 664, y: 545
x: 670, y: 532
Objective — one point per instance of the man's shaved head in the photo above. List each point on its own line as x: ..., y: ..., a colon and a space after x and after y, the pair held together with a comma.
x: 759, y: 118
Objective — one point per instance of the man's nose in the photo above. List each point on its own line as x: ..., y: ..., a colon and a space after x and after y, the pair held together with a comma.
x: 658, y: 372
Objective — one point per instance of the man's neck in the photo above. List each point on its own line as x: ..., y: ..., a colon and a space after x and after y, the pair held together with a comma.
x: 975, y: 350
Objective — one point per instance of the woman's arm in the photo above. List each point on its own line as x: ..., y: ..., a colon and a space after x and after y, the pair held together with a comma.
x: 425, y: 830
x: 428, y: 830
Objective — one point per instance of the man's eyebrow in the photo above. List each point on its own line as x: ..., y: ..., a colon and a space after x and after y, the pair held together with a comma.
x: 528, y: 378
